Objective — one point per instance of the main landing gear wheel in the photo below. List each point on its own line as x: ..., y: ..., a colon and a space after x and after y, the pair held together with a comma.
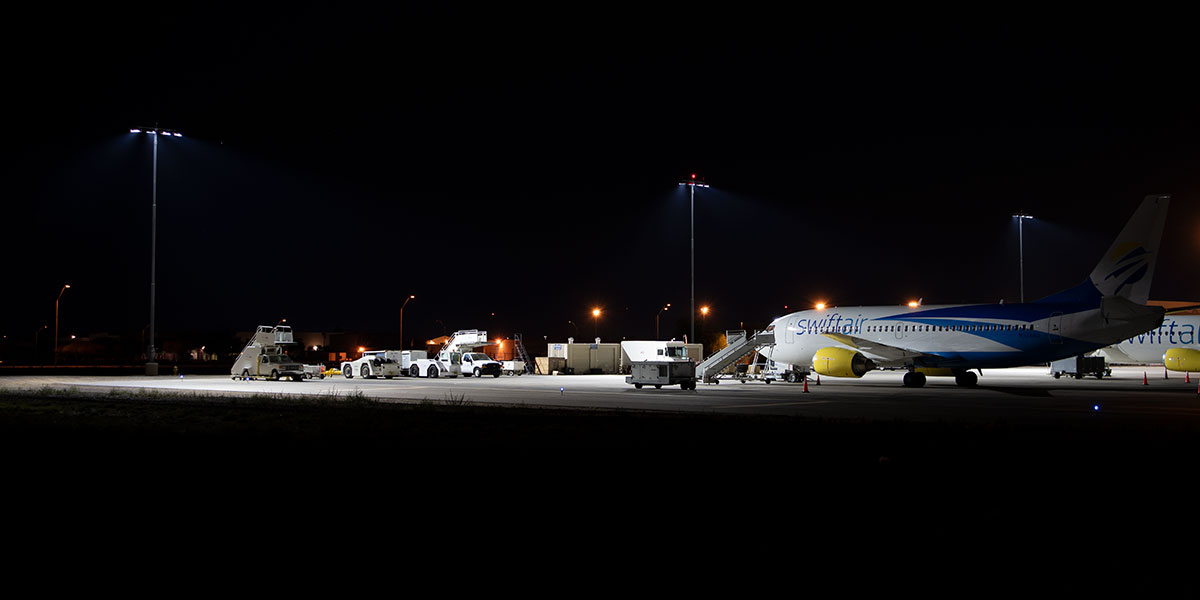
x: 966, y: 379
x: 914, y: 380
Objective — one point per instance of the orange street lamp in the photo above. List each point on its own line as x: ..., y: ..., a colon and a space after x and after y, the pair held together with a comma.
x: 596, y: 321
x: 820, y: 306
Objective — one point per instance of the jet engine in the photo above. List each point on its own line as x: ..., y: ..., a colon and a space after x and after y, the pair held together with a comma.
x: 841, y: 362
x: 1182, y: 359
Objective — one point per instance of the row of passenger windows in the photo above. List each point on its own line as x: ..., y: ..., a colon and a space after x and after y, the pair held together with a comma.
x: 920, y: 328
x: 931, y: 328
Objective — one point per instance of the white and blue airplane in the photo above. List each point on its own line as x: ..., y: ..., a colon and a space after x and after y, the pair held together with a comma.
x: 1174, y: 344
x: 1108, y: 307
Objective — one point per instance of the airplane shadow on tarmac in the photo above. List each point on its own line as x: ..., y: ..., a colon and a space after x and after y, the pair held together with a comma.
x: 1018, y: 391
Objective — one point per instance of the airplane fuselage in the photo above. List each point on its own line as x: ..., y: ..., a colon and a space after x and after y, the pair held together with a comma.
x: 1176, y: 331
x: 967, y: 336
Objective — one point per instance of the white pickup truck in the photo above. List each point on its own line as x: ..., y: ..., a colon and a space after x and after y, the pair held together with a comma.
x: 374, y: 363
x: 479, y: 364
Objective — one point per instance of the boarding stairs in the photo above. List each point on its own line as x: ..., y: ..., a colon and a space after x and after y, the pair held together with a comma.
x: 269, y: 339
x: 530, y: 365
x: 737, y: 345
x: 464, y: 340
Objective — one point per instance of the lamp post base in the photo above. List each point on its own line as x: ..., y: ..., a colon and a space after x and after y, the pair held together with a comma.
x: 152, y: 368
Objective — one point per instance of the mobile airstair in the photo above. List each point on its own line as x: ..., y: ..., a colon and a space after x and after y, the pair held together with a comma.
x: 523, y: 355
x: 738, y: 344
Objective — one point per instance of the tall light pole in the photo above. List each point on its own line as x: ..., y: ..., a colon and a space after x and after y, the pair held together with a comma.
x: 667, y: 307
x: 410, y: 297
x: 572, y: 324
x: 56, y: 300
x: 1020, y: 217
x: 692, y: 183
x: 596, y: 321
x: 154, y: 132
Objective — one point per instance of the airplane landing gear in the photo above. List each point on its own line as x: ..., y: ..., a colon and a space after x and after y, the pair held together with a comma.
x: 914, y: 379
x: 966, y: 379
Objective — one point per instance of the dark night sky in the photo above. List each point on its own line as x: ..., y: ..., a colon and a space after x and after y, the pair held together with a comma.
x: 525, y: 164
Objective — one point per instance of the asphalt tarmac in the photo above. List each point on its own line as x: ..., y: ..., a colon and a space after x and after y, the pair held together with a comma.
x: 1023, y: 484
x: 1021, y: 395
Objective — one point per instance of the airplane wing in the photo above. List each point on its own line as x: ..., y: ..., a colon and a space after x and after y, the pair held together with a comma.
x: 1182, y: 309
x: 879, y: 352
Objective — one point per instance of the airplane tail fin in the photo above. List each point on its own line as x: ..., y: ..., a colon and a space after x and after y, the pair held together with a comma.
x: 1128, y: 267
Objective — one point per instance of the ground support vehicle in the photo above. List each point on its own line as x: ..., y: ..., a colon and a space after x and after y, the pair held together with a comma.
x: 264, y: 357
x: 1080, y: 366
x: 317, y: 371
x: 512, y: 367
x: 767, y: 372
x: 663, y: 372
x: 462, y: 342
x: 416, y: 363
x: 479, y: 364
x: 373, y: 363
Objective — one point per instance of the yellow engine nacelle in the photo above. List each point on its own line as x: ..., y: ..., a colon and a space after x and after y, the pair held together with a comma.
x: 1182, y: 359
x: 841, y: 362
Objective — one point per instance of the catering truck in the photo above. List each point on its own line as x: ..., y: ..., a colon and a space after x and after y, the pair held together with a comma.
x: 659, y: 364
x: 265, y: 356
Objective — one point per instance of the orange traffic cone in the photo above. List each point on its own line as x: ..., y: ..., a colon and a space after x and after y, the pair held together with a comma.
x: 1145, y: 381
x: 805, y: 385
x: 818, y: 380
x: 1187, y: 377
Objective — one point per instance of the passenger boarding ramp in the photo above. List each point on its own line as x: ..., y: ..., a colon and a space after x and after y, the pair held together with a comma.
x: 737, y: 345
